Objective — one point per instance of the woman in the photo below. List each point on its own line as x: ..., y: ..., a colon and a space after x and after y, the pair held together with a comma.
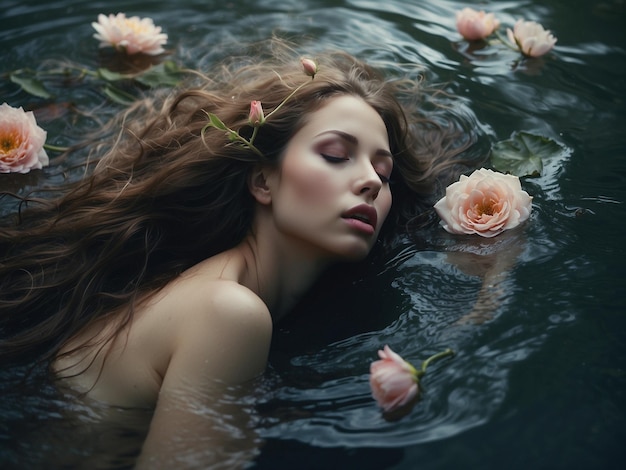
x: 156, y: 280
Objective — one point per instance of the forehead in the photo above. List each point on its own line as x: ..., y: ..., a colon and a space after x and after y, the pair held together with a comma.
x: 348, y: 114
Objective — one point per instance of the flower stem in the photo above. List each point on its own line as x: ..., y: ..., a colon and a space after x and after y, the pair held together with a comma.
x: 249, y: 144
x: 286, y: 99
x: 447, y: 352
x: 55, y: 148
x: 506, y: 41
x: 254, y: 132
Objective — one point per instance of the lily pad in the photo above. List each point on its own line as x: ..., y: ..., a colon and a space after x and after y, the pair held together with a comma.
x: 30, y: 85
x: 523, y: 154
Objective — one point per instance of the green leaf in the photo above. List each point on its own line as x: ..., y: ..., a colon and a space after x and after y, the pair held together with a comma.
x: 110, y: 76
x: 165, y: 74
x: 217, y: 122
x: 30, y: 85
x: 523, y: 153
x: 117, y: 95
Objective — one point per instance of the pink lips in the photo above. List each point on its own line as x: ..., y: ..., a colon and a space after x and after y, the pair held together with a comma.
x: 362, y: 217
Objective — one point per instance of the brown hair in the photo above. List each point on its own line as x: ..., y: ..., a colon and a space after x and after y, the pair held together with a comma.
x: 164, y: 197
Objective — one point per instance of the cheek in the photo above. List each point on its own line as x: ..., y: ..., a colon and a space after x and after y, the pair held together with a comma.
x: 311, y: 183
x: 385, y: 200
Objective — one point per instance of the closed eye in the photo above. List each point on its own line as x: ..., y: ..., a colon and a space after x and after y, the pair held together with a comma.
x: 334, y: 159
x: 384, y: 179
x: 384, y: 170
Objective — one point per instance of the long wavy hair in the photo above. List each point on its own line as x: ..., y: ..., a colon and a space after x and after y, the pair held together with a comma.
x: 165, y: 195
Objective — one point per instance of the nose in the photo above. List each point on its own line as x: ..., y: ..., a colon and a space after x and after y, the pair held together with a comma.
x: 369, y: 182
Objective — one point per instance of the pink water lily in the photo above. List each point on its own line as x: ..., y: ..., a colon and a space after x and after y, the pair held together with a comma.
x: 132, y: 35
x: 531, y: 38
x: 21, y: 141
x: 475, y: 25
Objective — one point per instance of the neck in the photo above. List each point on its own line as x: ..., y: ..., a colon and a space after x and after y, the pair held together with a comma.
x: 279, y: 270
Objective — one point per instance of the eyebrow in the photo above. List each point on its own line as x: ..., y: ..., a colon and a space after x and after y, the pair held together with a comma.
x: 354, y: 141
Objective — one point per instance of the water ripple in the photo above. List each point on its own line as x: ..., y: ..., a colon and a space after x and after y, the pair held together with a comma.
x: 564, y: 267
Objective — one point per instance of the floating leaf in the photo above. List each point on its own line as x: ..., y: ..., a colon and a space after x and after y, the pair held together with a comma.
x: 111, y: 76
x: 523, y: 154
x: 117, y: 95
x: 30, y: 85
x: 165, y: 74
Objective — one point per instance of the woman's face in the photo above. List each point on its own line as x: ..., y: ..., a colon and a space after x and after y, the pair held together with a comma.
x: 331, y: 191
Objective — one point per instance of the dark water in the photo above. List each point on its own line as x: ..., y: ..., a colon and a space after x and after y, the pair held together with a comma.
x: 539, y: 385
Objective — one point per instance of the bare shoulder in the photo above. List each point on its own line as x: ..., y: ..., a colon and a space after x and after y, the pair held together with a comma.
x: 216, y: 300
x: 231, y: 297
x: 222, y: 331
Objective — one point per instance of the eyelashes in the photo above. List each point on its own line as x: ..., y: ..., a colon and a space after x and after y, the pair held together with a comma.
x: 336, y: 160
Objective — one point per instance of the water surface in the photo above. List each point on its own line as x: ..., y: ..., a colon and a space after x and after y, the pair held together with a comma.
x: 540, y: 384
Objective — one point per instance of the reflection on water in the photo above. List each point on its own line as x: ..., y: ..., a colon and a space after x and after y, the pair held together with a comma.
x: 429, y: 292
x: 538, y: 383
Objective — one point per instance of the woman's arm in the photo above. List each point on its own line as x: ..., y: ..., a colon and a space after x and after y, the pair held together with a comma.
x: 200, y: 420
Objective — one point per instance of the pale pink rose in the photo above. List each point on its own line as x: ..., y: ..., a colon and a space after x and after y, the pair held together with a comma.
x: 256, y: 116
x: 485, y: 203
x: 309, y: 66
x: 132, y: 35
x: 393, y: 381
x: 531, y: 38
x: 474, y: 25
x: 21, y: 141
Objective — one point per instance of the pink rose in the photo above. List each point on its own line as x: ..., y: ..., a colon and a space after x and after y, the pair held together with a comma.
x: 393, y: 381
x: 256, y: 117
x: 485, y: 203
x: 474, y: 25
x: 309, y: 66
x: 132, y: 35
x: 21, y: 141
x: 531, y: 38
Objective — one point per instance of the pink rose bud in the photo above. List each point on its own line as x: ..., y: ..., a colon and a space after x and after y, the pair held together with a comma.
x: 21, y: 141
x: 485, y: 203
x: 309, y: 66
x: 531, y: 38
x: 474, y: 25
x: 393, y: 381
x: 256, y: 116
